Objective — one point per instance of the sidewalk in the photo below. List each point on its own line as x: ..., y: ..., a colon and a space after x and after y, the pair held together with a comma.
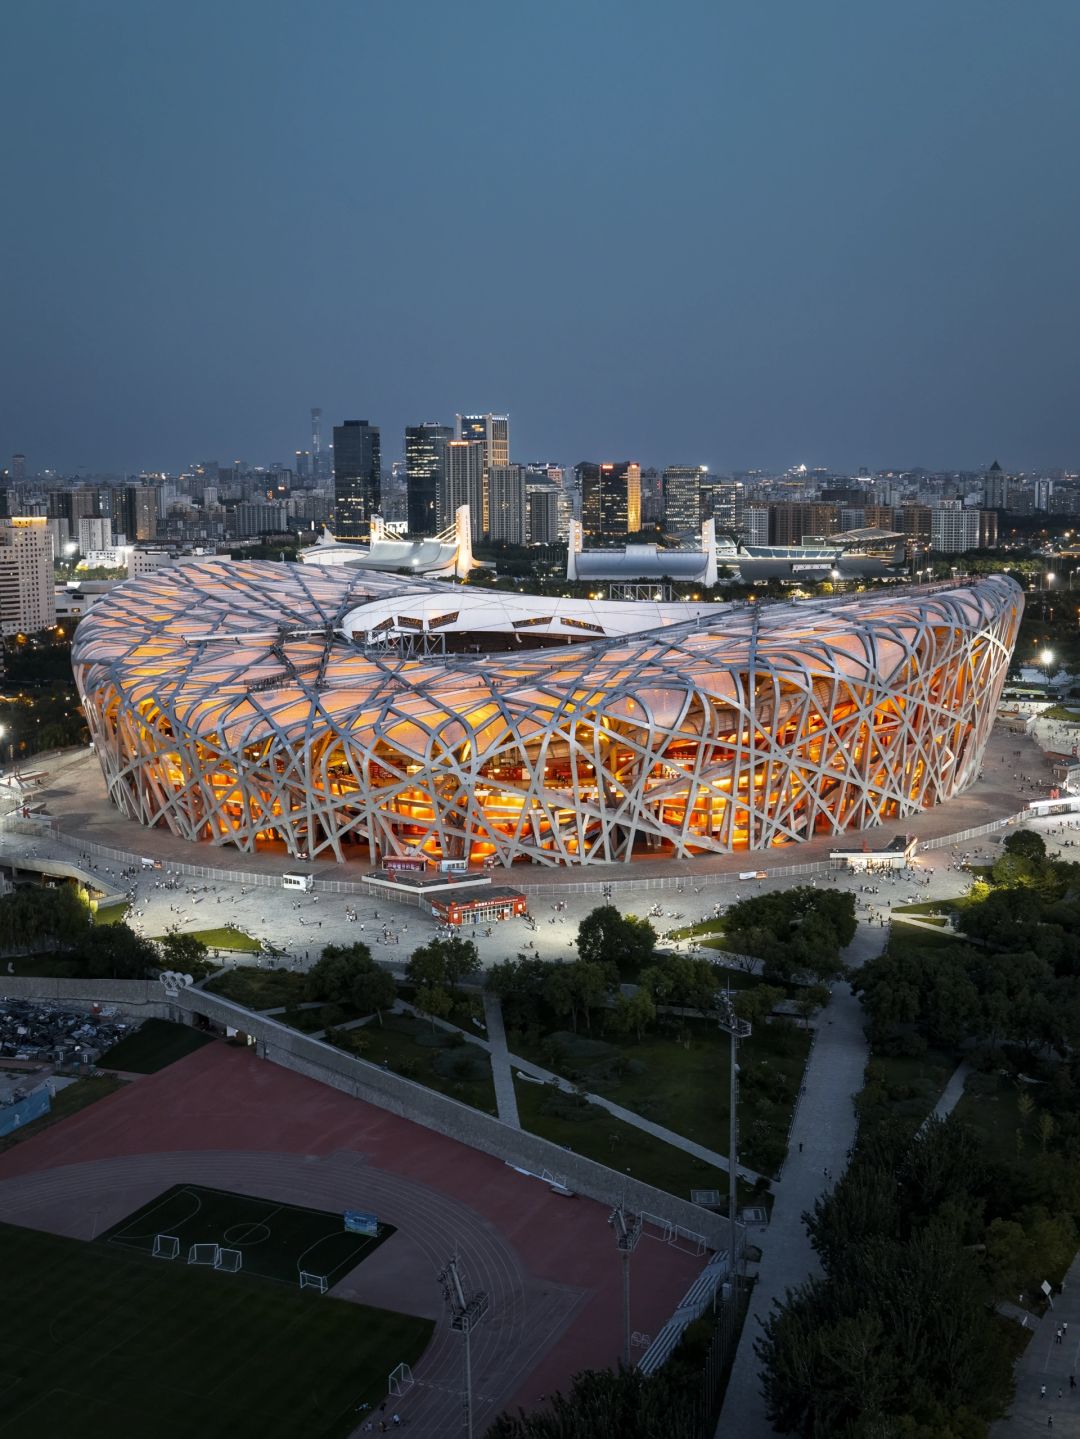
x: 505, y: 1097
x: 822, y: 1134
x: 1044, y: 1361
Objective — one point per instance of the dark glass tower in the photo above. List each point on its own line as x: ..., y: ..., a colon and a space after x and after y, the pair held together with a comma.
x: 357, y: 465
x: 425, y: 473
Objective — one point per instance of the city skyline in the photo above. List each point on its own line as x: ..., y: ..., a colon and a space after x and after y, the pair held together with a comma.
x: 843, y: 235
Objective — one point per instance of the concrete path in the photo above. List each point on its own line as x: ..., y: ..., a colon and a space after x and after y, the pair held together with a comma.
x: 1045, y: 1362
x: 823, y: 1132
x: 953, y: 1091
x: 505, y: 1097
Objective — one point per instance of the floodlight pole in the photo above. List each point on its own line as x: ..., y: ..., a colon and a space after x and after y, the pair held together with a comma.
x: 465, y: 1314
x: 736, y: 1029
x: 627, y: 1229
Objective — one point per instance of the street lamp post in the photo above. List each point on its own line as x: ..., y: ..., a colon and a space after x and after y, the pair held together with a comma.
x: 465, y: 1314
x: 627, y: 1229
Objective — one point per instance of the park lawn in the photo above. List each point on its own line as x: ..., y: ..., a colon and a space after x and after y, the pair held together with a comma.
x: 934, y: 906
x: 904, y: 938
x: 990, y: 1105
x: 142, y: 1346
x: 436, y: 1058
x: 705, y: 926
x: 678, y: 1077
x: 570, y: 1121
x: 155, y: 1045
x: 112, y: 913
x: 904, y: 1086
x: 226, y: 936
x: 935, y: 919
x: 66, y: 1102
x: 260, y: 988
x: 323, y: 1016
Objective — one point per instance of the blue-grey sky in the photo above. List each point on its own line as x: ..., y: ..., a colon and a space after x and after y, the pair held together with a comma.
x: 689, y: 231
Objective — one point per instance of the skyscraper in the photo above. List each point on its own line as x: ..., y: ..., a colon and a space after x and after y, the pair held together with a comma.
x: 425, y: 472
x: 135, y: 512
x: 610, y: 498
x: 357, y: 474
x: 682, y: 498
x: 464, y: 485
x: 507, y: 507
x: 27, y: 596
x: 493, y: 431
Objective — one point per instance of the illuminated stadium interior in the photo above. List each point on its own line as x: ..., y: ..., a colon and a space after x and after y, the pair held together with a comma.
x: 315, y: 710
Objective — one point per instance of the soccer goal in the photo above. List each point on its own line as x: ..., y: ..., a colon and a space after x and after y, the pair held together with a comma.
x: 204, y: 1254
x: 229, y: 1260
x: 166, y: 1246
x: 313, y: 1281
x: 400, y: 1381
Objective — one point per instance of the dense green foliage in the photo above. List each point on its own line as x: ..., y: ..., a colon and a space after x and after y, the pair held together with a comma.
x: 608, y: 938
x: 346, y: 975
x: 796, y: 933
x: 619, y: 1402
x: 898, y: 1336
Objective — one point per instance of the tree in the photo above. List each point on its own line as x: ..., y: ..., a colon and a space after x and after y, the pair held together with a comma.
x: 1026, y: 844
x: 373, y: 989
x: 623, y: 943
x: 443, y: 963
x: 113, y: 951
x: 434, y: 1001
x: 631, y: 1014
x: 331, y: 978
x: 623, y: 1403
x: 184, y: 953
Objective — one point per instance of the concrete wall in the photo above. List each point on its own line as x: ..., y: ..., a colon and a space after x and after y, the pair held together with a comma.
x: 142, y: 998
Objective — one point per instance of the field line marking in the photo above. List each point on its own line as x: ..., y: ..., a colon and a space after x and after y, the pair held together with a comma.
x: 122, y: 1236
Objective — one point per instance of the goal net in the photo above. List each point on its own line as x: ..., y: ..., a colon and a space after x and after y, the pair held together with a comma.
x: 313, y: 1281
x: 166, y: 1246
x: 230, y: 1260
x: 400, y: 1381
x: 204, y: 1254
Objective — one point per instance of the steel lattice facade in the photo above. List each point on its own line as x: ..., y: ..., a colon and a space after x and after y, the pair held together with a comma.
x: 230, y: 703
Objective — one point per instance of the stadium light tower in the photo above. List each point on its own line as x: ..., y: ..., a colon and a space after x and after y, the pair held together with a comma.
x: 465, y: 1315
x: 627, y: 1229
x: 736, y: 1029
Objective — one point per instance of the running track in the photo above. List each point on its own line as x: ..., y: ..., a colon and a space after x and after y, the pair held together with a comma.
x: 223, y: 1118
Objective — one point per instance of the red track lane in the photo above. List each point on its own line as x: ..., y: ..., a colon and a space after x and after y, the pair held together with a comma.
x: 549, y: 1263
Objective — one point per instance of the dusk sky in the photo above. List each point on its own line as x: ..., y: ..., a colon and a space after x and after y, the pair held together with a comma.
x: 694, y: 231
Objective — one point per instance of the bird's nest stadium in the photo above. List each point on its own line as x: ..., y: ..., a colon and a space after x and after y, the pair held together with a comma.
x: 336, y: 713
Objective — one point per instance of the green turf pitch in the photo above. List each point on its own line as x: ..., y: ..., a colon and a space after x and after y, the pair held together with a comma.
x: 104, y: 1345
x: 276, y: 1241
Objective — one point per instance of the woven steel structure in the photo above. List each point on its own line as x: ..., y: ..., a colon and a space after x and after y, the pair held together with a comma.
x: 252, y: 704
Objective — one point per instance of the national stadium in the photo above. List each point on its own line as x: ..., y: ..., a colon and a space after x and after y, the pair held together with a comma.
x: 347, y: 714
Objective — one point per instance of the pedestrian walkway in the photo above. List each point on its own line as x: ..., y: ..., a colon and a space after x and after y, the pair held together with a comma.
x: 1046, y: 1364
x: 953, y: 1091
x: 821, y: 1137
x: 503, y: 1075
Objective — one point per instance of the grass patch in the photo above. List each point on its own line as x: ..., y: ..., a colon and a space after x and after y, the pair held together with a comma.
x: 678, y: 1078
x: 157, y: 1044
x: 112, y: 914
x: 936, y: 920
x: 276, y: 1241
x: 990, y: 1104
x: 47, y: 966
x: 904, y: 1086
x: 141, y: 1346
x: 66, y: 1102
x: 260, y: 988
x: 705, y: 926
x: 225, y: 936
x: 441, y: 1060
x: 570, y: 1121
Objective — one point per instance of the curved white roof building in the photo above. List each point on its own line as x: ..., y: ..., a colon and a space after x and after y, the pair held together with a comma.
x: 255, y: 703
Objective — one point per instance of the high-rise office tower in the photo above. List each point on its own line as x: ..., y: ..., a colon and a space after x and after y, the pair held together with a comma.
x: 27, y: 596
x: 135, y: 512
x: 507, y: 510
x: 996, y: 488
x: 493, y: 431
x: 316, y: 433
x: 425, y: 472
x: 18, y: 469
x: 357, y: 478
x: 682, y: 498
x: 464, y: 484
x: 610, y: 498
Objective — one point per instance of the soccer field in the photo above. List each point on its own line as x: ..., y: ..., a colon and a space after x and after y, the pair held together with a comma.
x: 276, y: 1241
x: 104, y: 1345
